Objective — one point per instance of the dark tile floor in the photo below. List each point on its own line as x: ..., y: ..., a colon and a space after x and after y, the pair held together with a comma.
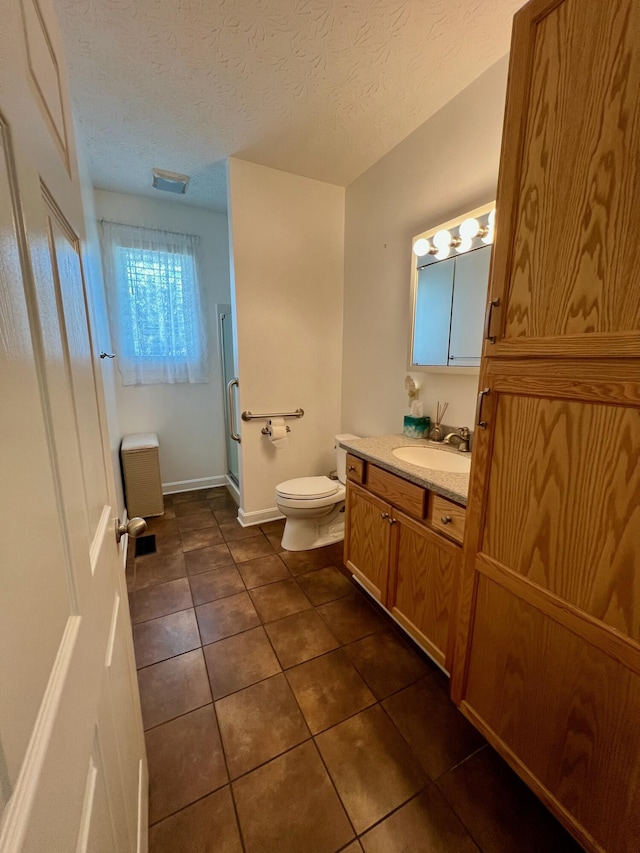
x: 283, y: 712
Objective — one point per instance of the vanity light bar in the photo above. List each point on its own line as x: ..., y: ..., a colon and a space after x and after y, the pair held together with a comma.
x: 440, y: 241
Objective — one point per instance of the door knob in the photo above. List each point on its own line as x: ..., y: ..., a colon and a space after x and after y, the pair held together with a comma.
x: 134, y: 527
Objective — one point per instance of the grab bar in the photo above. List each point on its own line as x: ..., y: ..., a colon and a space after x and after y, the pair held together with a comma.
x: 232, y: 426
x: 248, y: 416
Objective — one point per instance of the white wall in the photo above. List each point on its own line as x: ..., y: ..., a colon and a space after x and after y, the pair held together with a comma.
x: 448, y: 166
x: 287, y: 234
x: 188, y: 418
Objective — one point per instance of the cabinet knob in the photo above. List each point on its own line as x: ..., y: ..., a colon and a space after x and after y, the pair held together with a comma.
x: 351, y: 467
x: 384, y: 515
x: 445, y: 519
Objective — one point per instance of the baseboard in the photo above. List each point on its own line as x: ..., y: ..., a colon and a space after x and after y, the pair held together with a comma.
x: 194, y: 485
x: 261, y: 516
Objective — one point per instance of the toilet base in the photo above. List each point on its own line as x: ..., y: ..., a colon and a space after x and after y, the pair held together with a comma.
x: 305, y: 534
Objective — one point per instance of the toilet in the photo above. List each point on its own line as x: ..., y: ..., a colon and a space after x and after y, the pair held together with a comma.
x: 314, y: 506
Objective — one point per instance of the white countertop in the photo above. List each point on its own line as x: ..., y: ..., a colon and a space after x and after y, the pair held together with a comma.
x: 378, y: 449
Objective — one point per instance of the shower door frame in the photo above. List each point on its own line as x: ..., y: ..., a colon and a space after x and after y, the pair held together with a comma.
x: 223, y: 312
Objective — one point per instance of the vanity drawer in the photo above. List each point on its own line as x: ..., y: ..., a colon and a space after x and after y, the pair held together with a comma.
x: 447, y: 517
x: 402, y: 494
x: 355, y: 469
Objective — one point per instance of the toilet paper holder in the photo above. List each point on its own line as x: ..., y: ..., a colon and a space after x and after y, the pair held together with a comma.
x: 265, y: 429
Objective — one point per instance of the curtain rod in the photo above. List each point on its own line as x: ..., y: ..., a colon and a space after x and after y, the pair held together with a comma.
x: 148, y: 228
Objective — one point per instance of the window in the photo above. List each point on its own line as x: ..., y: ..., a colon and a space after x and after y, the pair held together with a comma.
x: 154, y: 305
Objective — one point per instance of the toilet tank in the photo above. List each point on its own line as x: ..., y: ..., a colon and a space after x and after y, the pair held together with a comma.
x: 341, y: 455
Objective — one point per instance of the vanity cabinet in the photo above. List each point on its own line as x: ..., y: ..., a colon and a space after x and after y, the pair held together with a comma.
x: 393, y: 548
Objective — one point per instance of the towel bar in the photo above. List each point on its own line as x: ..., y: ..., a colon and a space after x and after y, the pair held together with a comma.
x: 248, y: 416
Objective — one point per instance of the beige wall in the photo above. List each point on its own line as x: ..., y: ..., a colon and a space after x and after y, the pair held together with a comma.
x: 287, y: 236
x: 446, y: 167
x: 187, y: 417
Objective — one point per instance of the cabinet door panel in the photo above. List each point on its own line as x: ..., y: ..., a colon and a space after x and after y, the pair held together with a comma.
x: 367, y: 537
x: 566, y: 254
x: 421, y: 598
x: 563, y: 503
x: 565, y: 708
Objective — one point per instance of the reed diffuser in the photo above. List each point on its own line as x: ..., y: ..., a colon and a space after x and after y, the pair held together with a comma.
x: 437, y: 432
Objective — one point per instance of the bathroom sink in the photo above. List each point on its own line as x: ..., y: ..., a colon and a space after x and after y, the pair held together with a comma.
x: 437, y: 460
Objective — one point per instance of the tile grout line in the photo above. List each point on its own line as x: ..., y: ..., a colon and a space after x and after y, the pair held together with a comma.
x: 393, y: 811
x: 463, y: 761
x: 226, y: 765
x: 333, y: 785
x: 475, y: 840
x: 433, y: 674
x: 312, y: 736
x: 154, y: 618
x: 224, y: 757
x: 177, y: 717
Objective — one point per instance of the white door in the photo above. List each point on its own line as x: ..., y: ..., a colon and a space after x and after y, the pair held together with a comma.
x: 72, y: 762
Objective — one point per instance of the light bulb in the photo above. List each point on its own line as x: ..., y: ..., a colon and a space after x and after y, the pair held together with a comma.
x: 464, y: 245
x: 488, y: 237
x: 442, y: 240
x: 492, y: 218
x: 442, y: 253
x: 469, y: 229
x: 421, y: 247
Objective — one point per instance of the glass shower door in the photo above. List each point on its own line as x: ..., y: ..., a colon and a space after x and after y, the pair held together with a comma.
x: 228, y: 372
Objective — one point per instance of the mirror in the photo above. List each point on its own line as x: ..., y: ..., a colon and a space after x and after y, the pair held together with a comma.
x: 450, y: 292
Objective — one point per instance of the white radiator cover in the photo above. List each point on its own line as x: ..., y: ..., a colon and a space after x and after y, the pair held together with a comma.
x: 141, y: 473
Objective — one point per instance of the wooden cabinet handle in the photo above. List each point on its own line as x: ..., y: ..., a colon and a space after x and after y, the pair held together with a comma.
x: 445, y: 519
x: 351, y: 467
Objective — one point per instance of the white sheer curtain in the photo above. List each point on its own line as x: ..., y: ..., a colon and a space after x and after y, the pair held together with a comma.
x: 155, y: 304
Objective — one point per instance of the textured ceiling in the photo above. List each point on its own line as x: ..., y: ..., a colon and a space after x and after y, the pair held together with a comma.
x: 316, y: 87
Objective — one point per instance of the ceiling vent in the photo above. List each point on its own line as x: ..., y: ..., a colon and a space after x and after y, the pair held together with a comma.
x: 170, y: 182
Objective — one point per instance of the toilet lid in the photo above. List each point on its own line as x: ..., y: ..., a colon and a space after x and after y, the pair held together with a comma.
x: 308, y: 487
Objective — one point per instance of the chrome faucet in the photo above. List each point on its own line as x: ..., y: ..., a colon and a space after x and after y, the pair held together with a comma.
x: 462, y: 435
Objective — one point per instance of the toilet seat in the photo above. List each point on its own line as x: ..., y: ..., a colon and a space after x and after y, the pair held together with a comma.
x: 326, y: 495
x: 308, y: 488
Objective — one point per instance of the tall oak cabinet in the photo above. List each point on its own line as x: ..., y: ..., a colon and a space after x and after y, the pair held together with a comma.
x: 547, y: 659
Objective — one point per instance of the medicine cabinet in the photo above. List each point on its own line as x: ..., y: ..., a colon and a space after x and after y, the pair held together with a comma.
x: 450, y: 274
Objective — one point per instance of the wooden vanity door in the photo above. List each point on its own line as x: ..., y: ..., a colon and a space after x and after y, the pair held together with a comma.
x: 566, y: 263
x: 548, y: 654
x: 422, y: 585
x: 547, y: 659
x: 367, y: 540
